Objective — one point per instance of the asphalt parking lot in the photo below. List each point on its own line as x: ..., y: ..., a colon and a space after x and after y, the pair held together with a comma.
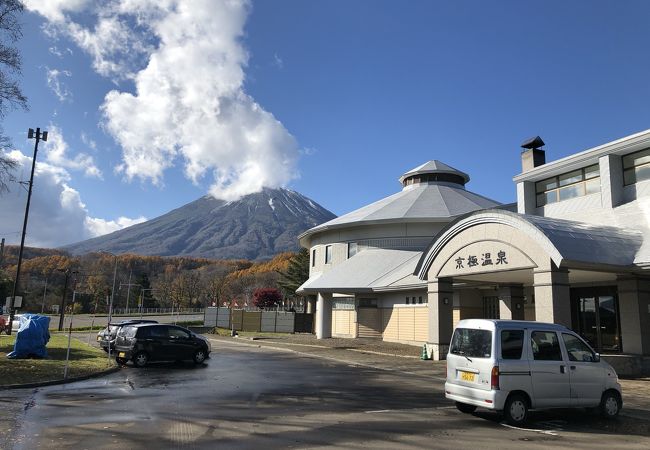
x: 250, y: 395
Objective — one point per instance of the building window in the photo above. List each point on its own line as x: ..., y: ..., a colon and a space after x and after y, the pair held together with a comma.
x: 313, y: 258
x: 568, y: 185
x: 636, y: 167
x: 367, y: 302
x: 408, y: 300
x: 352, y: 249
x: 419, y: 300
x: 328, y: 254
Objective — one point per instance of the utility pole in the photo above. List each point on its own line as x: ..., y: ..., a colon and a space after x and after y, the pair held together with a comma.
x: 44, y: 294
x: 65, y: 291
x: 38, y: 136
x: 128, y: 292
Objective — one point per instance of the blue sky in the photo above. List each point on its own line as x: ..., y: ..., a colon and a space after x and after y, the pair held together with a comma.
x: 334, y: 99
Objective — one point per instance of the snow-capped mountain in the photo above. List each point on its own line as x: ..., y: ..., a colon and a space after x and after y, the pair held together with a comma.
x: 257, y: 226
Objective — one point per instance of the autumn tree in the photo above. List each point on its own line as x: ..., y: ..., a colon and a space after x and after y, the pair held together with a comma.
x: 267, y: 298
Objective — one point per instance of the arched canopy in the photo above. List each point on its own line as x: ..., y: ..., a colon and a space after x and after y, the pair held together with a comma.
x: 525, y: 241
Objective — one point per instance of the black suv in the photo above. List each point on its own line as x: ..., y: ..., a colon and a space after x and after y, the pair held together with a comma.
x: 142, y: 343
x: 107, y: 336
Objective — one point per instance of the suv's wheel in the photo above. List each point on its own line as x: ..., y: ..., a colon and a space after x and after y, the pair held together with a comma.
x: 516, y: 410
x: 610, y: 405
x: 199, y: 356
x: 465, y: 408
x: 121, y: 361
x: 141, y: 359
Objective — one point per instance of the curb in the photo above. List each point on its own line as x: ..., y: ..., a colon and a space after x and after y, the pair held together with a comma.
x: 359, y: 350
x: 55, y: 382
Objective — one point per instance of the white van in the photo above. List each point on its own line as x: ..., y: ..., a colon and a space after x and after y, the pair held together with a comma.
x: 513, y: 366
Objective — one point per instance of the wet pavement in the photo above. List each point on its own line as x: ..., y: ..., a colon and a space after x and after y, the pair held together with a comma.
x: 299, y: 395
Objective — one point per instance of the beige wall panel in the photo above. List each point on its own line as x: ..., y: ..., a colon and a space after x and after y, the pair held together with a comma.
x: 342, y: 322
x: 390, y: 323
x: 421, y: 323
x: 369, y: 322
x: 406, y: 321
x: 456, y: 316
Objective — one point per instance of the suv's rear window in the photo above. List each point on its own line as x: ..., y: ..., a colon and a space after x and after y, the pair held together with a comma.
x: 472, y: 342
x: 127, y: 331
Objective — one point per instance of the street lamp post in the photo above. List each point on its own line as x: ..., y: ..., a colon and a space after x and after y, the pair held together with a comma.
x: 110, y: 305
x: 38, y: 136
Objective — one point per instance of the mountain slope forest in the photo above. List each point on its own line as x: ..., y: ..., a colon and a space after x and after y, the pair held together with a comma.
x: 163, y: 282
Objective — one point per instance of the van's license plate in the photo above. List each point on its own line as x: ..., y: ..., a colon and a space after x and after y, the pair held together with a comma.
x: 122, y: 355
x: 467, y: 376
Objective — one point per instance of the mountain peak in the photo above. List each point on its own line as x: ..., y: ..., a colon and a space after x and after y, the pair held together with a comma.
x: 257, y: 226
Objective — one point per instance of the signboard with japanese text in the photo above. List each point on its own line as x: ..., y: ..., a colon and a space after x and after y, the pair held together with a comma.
x: 485, y: 257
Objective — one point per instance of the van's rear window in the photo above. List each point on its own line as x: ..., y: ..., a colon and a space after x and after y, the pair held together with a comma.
x: 472, y: 343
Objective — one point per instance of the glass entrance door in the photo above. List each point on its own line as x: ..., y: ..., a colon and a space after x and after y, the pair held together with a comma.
x: 595, y: 317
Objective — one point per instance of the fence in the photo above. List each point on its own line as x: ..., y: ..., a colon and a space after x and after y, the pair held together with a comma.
x: 136, y: 310
x: 259, y: 321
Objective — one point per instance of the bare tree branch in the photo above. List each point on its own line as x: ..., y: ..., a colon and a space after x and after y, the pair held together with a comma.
x: 11, y: 96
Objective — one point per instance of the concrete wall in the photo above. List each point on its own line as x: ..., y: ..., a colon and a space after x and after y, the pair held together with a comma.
x: 217, y: 317
x: 389, y: 300
x: 268, y: 321
x: 278, y: 321
x: 414, y: 234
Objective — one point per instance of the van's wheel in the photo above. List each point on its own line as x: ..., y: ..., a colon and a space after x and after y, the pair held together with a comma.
x: 515, y: 410
x: 610, y: 405
x: 199, y: 356
x: 121, y: 361
x: 465, y: 408
x: 141, y: 359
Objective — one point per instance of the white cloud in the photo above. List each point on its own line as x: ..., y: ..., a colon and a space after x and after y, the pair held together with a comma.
x: 100, y: 227
x: 57, y: 216
x: 55, y: 10
x: 58, y: 87
x: 56, y: 51
x: 277, y: 61
x: 188, y: 105
x: 56, y: 153
x: 90, y: 143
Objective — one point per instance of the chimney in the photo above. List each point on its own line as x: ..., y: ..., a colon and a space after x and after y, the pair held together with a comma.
x: 532, y: 155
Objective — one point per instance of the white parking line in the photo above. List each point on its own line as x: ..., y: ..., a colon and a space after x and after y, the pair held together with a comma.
x: 534, y: 430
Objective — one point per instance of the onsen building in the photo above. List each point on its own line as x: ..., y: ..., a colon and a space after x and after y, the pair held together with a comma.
x: 574, y: 250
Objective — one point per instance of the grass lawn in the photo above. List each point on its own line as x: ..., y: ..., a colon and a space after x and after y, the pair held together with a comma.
x: 84, y: 360
x: 267, y: 334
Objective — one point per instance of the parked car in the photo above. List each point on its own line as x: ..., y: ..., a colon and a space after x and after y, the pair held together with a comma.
x: 106, y: 337
x: 160, y: 342
x: 516, y: 366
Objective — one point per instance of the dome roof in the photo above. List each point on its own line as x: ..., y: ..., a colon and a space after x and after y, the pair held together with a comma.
x: 430, y: 201
x: 435, y: 167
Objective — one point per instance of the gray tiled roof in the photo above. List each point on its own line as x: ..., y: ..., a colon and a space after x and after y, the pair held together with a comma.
x: 421, y: 202
x: 586, y: 243
x: 366, y: 271
x: 568, y: 243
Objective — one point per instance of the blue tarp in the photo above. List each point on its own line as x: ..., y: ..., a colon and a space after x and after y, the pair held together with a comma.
x: 32, y: 337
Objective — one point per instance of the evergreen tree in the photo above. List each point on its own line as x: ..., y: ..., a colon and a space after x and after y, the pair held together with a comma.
x: 295, y: 275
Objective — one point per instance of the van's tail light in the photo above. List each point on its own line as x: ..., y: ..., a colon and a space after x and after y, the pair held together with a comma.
x: 494, y: 378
